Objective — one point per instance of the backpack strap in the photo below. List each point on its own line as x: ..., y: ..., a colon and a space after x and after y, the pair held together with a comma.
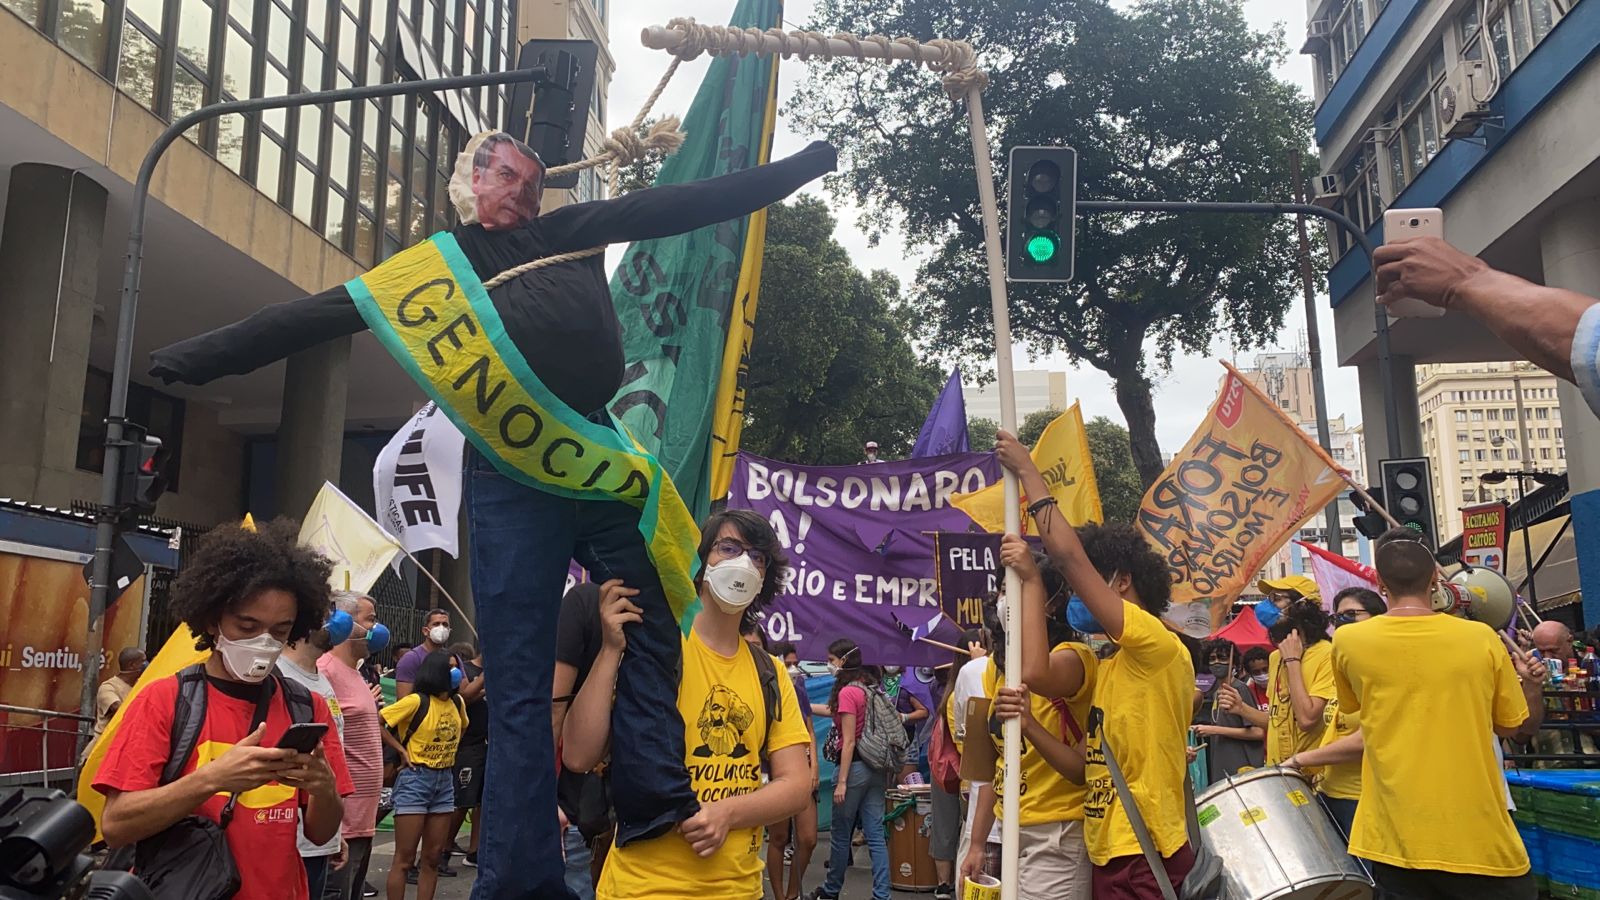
x: 423, y: 702
x: 297, y: 697
x: 771, y: 694
x: 188, y: 715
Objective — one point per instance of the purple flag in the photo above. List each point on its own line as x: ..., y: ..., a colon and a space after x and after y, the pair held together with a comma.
x: 860, y: 547
x: 945, y: 431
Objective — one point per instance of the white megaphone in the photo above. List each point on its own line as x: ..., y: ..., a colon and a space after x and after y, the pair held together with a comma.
x: 1482, y: 595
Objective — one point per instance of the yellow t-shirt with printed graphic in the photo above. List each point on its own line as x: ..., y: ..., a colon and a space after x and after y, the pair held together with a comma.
x: 436, y: 739
x: 1045, y: 795
x: 1285, y: 737
x: 725, y: 732
x: 1143, y: 701
x: 1341, y: 781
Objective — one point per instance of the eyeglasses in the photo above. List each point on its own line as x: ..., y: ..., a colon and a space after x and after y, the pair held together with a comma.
x: 730, y: 548
x: 1346, y: 618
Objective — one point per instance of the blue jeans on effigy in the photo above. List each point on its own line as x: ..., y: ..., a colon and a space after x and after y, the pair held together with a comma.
x: 864, y: 797
x: 521, y: 540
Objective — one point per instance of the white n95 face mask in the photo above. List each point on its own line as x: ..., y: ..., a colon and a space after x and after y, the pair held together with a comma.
x: 734, y: 583
x: 439, y: 634
x: 251, y: 659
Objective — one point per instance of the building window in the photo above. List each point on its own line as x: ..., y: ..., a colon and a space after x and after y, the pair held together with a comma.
x: 1494, y: 416
x: 1510, y: 414
x: 1461, y: 437
x: 1515, y: 29
x: 1542, y: 412
x: 1464, y: 455
x: 1417, y: 135
x: 1362, y: 199
x: 161, y: 414
x: 1544, y: 452
x: 1478, y: 455
x: 1477, y: 415
x: 1461, y: 415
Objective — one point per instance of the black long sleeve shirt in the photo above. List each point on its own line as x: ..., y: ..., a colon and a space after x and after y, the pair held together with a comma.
x: 560, y: 317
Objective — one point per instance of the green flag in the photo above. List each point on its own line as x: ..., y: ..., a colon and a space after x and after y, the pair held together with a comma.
x: 675, y: 296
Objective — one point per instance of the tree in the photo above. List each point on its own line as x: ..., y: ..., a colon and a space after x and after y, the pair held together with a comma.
x: 831, y: 365
x: 1169, y: 100
x: 1034, y: 424
x: 1121, y: 489
x: 641, y: 173
x: 980, y: 433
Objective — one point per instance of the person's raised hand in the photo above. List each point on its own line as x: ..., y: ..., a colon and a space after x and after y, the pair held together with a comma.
x: 1426, y: 268
x: 1011, y: 453
x: 247, y: 765
x: 1016, y: 554
x: 1228, y: 699
x: 707, y: 829
x: 1531, y: 672
x: 1292, y: 646
x: 616, y: 611
x: 976, y: 650
x: 310, y: 773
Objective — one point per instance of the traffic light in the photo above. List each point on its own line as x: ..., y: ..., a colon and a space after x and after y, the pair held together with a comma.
x: 144, y: 477
x: 1371, y: 522
x: 1408, y: 493
x: 1042, y: 192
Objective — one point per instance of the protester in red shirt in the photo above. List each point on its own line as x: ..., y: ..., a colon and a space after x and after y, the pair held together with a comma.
x: 244, y: 595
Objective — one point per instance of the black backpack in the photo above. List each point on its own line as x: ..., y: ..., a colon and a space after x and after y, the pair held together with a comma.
x: 190, y: 859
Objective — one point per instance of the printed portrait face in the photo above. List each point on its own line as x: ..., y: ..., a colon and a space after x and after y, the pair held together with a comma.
x: 498, y: 182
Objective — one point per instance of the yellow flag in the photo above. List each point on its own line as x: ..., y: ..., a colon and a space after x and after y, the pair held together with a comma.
x: 343, y: 532
x: 1243, y: 485
x: 1062, y: 455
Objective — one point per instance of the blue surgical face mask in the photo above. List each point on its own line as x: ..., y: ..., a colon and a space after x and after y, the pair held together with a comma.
x: 339, y: 626
x: 377, y: 637
x: 1267, y: 613
x: 1080, y: 618
x: 455, y: 678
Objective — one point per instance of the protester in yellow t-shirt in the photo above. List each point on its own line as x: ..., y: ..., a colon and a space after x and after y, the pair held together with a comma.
x: 732, y: 723
x: 1143, y: 694
x: 1300, y: 680
x: 1430, y: 688
x: 1054, y: 857
x: 425, y: 789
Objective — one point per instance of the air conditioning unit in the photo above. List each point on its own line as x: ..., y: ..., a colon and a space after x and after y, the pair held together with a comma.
x: 1328, y: 190
x: 1459, y: 112
x: 1318, y: 29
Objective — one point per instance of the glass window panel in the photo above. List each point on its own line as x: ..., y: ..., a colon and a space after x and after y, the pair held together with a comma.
x: 268, y: 160
x: 391, y: 246
x: 230, y: 141
x: 317, y: 17
x: 311, y: 67
x: 236, y: 60
x: 29, y: 10
x: 1502, y: 50
x: 1430, y: 129
x: 384, y: 12
x: 393, y: 210
x: 310, y: 137
x: 243, y: 12
x: 420, y: 215
x: 339, y: 156
x: 1542, y: 19
x: 1519, y: 29
x: 374, y: 63
x: 426, y: 31
x: 305, y: 193
x: 136, y: 72
x: 419, y: 169
x: 1413, y: 91
x: 194, y: 32
x: 341, y: 79
x: 1414, y: 149
x: 274, y: 84
x: 151, y: 12
x: 334, y: 229
x: 366, y: 238
x: 278, y: 28
x: 367, y: 182
x: 188, y: 95
x: 347, y: 40
x: 83, y: 29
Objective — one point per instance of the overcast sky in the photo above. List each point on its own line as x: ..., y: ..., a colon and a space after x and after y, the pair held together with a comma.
x: 1182, y: 396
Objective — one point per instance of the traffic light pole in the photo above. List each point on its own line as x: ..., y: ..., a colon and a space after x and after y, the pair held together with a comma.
x: 1391, y: 412
x: 108, y: 518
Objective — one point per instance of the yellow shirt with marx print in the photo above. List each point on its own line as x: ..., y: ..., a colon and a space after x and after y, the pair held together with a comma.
x: 1045, y: 795
x: 436, y: 739
x: 725, y: 732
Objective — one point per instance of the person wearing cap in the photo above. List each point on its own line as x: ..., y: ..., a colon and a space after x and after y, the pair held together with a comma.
x: 871, y: 452
x: 1299, y: 672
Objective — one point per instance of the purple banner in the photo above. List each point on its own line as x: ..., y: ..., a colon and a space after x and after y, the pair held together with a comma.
x: 860, y: 545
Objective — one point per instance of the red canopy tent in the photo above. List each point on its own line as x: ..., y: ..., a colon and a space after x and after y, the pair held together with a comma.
x: 1244, y: 631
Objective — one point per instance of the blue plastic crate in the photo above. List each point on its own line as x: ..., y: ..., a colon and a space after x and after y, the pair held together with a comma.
x: 1572, y: 860
x: 1533, y: 840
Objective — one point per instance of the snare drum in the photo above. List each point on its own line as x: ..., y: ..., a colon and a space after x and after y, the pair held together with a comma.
x: 1275, y: 840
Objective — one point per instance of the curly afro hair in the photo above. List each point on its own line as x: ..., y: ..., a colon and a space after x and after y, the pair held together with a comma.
x: 233, y: 564
x: 1120, y: 548
x: 1304, y: 616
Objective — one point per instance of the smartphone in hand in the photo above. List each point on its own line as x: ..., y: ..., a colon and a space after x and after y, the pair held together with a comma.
x: 1404, y: 224
x: 303, y: 737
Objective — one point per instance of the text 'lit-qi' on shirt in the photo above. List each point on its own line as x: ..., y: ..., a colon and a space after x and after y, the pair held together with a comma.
x: 1430, y: 690
x: 725, y: 732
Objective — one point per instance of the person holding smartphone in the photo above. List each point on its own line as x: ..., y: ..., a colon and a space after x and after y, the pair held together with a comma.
x: 424, y: 729
x: 299, y: 663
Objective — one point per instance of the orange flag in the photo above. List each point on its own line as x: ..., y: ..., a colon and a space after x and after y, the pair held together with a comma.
x: 1237, y: 492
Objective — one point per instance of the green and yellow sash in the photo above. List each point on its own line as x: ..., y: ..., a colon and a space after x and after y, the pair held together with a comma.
x: 432, y: 314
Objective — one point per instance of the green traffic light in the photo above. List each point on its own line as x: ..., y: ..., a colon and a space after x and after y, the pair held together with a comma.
x: 1042, y: 247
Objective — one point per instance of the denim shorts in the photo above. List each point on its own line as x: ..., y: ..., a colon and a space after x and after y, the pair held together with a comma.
x: 423, y: 791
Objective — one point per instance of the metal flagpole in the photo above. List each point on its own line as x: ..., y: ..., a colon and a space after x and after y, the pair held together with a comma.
x: 1009, y: 834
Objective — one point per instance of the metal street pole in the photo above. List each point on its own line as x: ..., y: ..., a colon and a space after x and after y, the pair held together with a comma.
x: 1319, y: 391
x: 1522, y: 490
x: 107, y: 518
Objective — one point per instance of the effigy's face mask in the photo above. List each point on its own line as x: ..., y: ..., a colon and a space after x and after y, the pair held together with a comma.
x: 497, y: 183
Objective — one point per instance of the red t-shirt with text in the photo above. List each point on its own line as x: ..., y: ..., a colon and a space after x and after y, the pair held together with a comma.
x: 262, y: 832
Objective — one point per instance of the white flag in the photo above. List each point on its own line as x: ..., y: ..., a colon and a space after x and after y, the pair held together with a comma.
x: 342, y: 531
x: 416, y: 483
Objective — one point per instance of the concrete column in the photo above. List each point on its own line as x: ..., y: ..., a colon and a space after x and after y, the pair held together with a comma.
x: 1569, y: 242
x: 311, y: 431
x: 49, y: 272
x: 1372, y: 414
